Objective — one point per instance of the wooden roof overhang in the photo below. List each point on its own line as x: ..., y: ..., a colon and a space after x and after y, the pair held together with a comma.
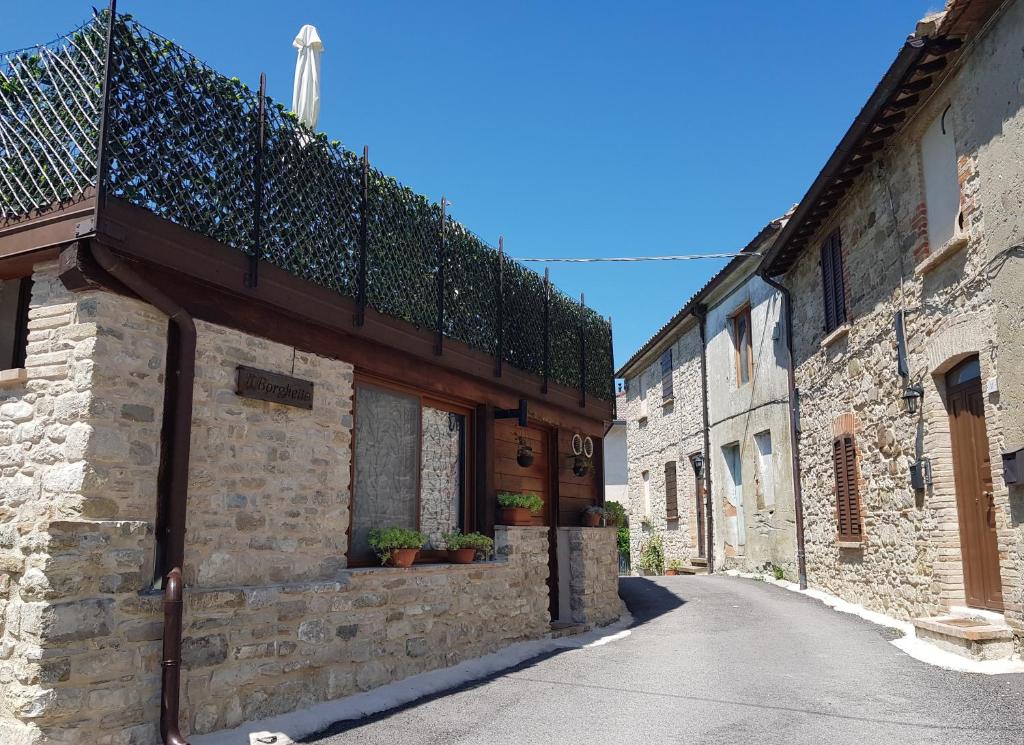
x: 207, y: 278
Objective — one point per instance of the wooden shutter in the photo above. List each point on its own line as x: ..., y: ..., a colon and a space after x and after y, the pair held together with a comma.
x: 848, y: 518
x: 833, y: 287
x: 671, y: 496
x: 666, y: 376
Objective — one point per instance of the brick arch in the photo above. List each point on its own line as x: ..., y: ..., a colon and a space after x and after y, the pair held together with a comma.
x: 953, y: 345
x: 847, y: 424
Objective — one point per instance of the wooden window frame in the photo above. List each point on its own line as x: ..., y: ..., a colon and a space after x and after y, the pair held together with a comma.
x: 833, y: 282
x: 743, y: 313
x: 849, y: 508
x: 467, y: 512
x: 19, y: 348
x: 667, y: 389
x: 671, y: 491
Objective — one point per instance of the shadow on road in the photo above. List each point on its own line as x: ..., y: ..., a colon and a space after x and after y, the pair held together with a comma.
x: 645, y: 598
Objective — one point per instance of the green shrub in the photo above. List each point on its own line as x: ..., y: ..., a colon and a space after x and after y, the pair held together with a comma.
x: 385, y: 540
x: 616, y: 514
x: 457, y: 539
x: 509, y: 499
x: 778, y: 572
x: 652, y: 556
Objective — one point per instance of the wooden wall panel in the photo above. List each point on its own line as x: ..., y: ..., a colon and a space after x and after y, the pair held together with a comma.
x: 510, y: 476
x: 576, y: 493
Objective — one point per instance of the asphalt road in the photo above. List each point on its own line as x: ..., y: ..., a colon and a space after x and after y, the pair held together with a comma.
x: 716, y: 660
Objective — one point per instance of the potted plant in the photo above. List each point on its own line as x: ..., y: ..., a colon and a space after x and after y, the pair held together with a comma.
x: 524, y: 455
x: 581, y: 465
x: 396, y: 547
x: 593, y: 515
x: 674, y: 567
x: 615, y: 515
x: 463, y: 547
x: 518, y: 507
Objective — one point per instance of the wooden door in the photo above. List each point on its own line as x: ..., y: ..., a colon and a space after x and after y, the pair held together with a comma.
x: 973, y: 476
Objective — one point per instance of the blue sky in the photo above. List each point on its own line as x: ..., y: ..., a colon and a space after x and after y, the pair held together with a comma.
x: 573, y: 128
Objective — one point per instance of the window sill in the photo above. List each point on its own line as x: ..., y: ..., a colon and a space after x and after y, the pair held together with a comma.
x: 835, y: 335
x: 849, y: 544
x: 14, y: 376
x: 668, y: 401
x: 955, y: 244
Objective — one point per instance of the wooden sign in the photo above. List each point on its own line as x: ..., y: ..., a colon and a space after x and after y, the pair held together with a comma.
x: 274, y: 387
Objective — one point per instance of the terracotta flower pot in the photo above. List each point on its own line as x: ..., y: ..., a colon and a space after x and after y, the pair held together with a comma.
x: 591, y: 520
x: 515, y: 516
x: 403, y: 557
x: 671, y: 572
x: 461, y: 555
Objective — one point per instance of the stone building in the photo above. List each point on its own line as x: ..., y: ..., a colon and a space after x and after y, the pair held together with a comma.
x: 905, y: 266
x: 729, y: 426
x: 178, y: 408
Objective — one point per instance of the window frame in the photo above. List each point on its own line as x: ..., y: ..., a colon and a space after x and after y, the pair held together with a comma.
x: 849, y: 509
x: 467, y: 512
x: 19, y: 346
x: 742, y: 314
x: 833, y: 282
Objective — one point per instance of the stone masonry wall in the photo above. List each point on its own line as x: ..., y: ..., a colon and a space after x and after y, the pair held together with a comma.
x: 671, y: 432
x: 273, y: 620
x: 593, y: 576
x: 910, y: 563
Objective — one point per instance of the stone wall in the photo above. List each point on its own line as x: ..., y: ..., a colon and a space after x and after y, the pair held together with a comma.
x: 440, y: 475
x: 669, y: 432
x: 273, y: 619
x: 909, y: 563
x: 593, y: 576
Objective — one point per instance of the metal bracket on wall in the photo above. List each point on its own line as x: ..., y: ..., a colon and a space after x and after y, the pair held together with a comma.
x: 522, y: 413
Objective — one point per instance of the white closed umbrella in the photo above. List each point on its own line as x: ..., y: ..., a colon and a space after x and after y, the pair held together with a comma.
x: 306, y: 91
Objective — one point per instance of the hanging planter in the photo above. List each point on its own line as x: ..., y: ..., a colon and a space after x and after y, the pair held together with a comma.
x: 580, y: 466
x: 524, y: 456
x: 583, y: 450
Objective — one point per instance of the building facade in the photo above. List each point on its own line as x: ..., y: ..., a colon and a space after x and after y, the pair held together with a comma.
x: 905, y: 267
x: 707, y: 402
x: 197, y: 437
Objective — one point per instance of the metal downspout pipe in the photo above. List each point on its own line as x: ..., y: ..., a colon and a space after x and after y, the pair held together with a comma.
x: 701, y: 312
x: 173, y: 484
x: 794, y: 428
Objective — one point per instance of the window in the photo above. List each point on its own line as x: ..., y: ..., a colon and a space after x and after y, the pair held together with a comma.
x: 410, y: 467
x: 671, y: 498
x: 941, y: 182
x: 848, y: 517
x: 743, y: 346
x: 666, y: 377
x: 766, y: 468
x: 832, y: 282
x: 646, y: 494
x: 14, y: 303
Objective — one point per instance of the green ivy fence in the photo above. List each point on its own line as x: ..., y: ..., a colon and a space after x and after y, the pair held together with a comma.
x: 211, y: 154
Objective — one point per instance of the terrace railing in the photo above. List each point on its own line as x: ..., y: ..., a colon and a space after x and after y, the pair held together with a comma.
x: 209, y: 153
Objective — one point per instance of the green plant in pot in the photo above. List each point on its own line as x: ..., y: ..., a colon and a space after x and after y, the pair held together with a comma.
x: 397, y: 547
x: 464, y: 547
x: 593, y: 516
x: 518, y: 508
x: 674, y: 567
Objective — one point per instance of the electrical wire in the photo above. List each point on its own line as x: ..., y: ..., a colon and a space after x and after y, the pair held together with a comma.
x: 598, y: 259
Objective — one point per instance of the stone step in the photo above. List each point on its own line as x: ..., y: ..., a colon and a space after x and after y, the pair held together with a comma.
x: 973, y: 638
x: 560, y: 629
x: 698, y: 562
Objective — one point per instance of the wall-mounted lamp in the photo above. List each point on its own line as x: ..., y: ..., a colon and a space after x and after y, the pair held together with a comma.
x: 698, y: 464
x: 912, y: 398
x: 921, y: 473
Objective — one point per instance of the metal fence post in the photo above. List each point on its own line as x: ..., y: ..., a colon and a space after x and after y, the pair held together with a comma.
x: 583, y: 352
x: 547, y: 328
x: 499, y: 352
x: 364, y: 208
x: 102, y: 162
x: 252, y: 278
x: 439, y: 342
